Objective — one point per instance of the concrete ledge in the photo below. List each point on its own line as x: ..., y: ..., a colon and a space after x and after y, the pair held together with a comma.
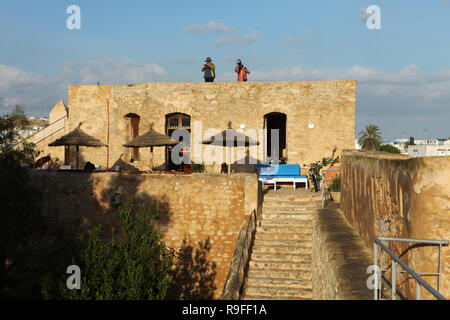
x: 340, y: 259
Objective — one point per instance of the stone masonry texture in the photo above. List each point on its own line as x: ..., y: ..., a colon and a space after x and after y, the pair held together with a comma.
x: 101, y: 110
x: 389, y: 195
x: 193, y: 208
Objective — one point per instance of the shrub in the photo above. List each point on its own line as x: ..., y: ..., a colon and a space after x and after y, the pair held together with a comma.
x: 335, y: 184
x: 389, y: 148
x: 198, y: 168
x: 134, y: 264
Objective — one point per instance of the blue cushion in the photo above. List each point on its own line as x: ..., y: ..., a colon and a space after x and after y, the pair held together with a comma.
x: 279, y: 171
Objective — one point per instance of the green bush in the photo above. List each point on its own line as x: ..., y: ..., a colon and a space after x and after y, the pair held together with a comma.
x: 198, y: 168
x: 335, y: 184
x: 133, y: 265
x: 389, y: 148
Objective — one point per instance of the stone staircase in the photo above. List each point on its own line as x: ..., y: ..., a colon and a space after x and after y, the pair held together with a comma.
x: 280, y: 262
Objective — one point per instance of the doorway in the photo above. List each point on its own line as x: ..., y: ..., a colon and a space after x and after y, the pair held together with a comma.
x: 176, y: 121
x: 274, y: 151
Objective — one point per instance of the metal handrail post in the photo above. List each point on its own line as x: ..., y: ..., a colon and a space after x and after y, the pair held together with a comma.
x: 394, y: 279
x: 375, y: 263
x: 396, y: 259
x: 439, y: 269
x: 418, y: 291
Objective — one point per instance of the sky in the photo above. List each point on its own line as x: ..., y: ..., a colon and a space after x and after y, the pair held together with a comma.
x: 402, y: 69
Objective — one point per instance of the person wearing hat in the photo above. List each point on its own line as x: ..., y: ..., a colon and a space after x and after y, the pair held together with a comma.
x: 241, y: 71
x: 208, y: 70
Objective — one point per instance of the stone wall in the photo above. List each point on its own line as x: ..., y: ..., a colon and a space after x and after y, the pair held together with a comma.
x: 339, y: 258
x: 394, y: 196
x: 328, y: 105
x: 197, y: 211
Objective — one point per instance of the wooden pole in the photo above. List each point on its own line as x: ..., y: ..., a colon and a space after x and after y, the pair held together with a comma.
x: 151, y: 159
x: 229, y: 160
x: 78, y: 153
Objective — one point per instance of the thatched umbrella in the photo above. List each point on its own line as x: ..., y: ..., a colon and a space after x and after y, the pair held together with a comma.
x: 77, y: 138
x: 151, y: 139
x: 238, y: 139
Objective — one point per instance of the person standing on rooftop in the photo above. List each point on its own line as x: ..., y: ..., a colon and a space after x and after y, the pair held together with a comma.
x: 241, y: 71
x: 208, y: 70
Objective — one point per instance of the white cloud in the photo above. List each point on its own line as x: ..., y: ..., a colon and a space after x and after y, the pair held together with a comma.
x: 244, y: 39
x: 25, y: 88
x: 210, y: 27
x: 406, y: 100
x: 39, y: 94
x: 118, y: 71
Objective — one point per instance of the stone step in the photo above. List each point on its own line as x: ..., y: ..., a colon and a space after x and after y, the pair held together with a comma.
x: 279, y: 273
x: 304, y: 257
x: 270, y: 202
x: 294, y: 196
x: 291, y: 243
x: 283, y: 230
x: 287, y: 216
x: 276, y: 282
x: 278, y: 292
x: 306, y: 248
x: 283, y: 235
x: 287, y: 223
x: 279, y: 265
x: 287, y: 209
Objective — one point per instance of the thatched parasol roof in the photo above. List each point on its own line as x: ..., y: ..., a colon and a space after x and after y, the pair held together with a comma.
x: 77, y: 137
x: 237, y: 138
x: 151, y: 139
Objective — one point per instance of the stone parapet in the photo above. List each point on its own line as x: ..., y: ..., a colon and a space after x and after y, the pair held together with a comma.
x: 388, y: 195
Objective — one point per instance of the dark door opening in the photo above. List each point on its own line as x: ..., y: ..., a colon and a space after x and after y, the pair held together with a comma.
x: 176, y: 121
x: 133, y: 132
x: 274, y: 150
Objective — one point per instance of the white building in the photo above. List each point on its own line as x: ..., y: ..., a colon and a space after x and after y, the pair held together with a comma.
x: 429, y: 150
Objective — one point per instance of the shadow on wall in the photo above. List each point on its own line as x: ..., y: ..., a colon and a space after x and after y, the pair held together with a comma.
x: 90, y: 199
x: 193, y: 274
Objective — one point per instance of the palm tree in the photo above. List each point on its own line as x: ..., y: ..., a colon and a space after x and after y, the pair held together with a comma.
x: 370, y: 138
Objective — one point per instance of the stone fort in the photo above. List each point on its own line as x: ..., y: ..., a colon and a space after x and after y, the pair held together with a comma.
x: 205, y: 211
x: 382, y: 195
x: 313, y: 117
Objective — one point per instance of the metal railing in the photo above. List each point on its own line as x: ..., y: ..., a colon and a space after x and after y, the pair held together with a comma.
x: 415, y: 275
x: 42, y: 130
x: 236, y: 280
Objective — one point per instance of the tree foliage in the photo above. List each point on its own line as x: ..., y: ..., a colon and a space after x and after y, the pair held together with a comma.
x: 389, y: 148
x: 410, y: 142
x: 133, y: 264
x: 326, y: 161
x: 370, y: 138
x: 20, y: 211
x: 335, y: 185
x: 10, y: 128
x: 35, y: 253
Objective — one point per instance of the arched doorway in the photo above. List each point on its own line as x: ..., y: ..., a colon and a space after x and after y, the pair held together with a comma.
x: 176, y: 121
x: 274, y: 149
